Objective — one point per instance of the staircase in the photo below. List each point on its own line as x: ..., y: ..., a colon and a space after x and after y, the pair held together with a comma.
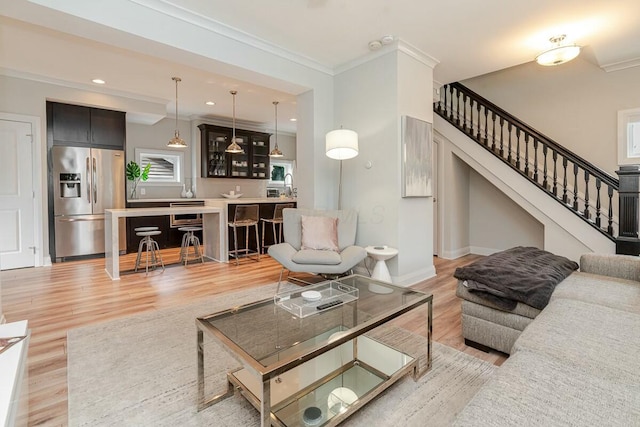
x: 582, y: 188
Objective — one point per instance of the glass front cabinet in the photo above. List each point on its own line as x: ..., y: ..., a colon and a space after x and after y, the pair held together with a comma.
x: 216, y: 163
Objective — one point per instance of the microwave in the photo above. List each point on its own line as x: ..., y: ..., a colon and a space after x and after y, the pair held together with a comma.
x: 273, y: 192
x: 191, y: 219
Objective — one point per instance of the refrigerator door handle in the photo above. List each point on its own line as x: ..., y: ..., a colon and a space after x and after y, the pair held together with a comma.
x: 94, y: 181
x: 87, y: 184
x: 75, y: 219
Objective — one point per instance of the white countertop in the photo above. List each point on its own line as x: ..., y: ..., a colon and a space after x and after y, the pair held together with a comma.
x: 129, y: 212
x: 246, y: 200
x: 170, y: 200
x: 218, y: 199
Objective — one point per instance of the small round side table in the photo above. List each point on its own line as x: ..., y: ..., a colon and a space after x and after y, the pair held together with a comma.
x: 381, y: 254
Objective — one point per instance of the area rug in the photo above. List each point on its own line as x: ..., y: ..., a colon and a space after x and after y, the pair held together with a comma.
x: 141, y: 371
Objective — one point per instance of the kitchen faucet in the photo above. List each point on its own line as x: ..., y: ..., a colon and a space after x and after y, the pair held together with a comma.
x: 289, y: 191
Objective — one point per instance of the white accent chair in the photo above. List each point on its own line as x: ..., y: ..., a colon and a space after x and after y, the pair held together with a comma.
x: 295, y: 259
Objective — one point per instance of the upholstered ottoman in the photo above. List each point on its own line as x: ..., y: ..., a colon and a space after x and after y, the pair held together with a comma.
x: 503, y: 292
x: 485, y: 325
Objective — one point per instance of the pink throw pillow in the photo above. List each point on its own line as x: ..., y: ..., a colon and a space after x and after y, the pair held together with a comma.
x: 320, y: 233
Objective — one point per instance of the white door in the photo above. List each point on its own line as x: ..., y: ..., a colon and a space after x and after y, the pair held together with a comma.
x: 434, y: 189
x: 17, y: 240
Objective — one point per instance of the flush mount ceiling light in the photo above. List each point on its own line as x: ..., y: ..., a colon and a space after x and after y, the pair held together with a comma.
x: 234, y: 148
x: 98, y: 81
x: 559, y: 54
x: 176, y: 141
x: 210, y: 103
x: 276, y: 151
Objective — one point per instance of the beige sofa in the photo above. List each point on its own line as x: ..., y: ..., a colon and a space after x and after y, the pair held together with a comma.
x: 575, y: 363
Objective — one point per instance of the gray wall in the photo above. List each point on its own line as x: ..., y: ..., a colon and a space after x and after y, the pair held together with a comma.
x: 496, y: 222
x: 575, y: 104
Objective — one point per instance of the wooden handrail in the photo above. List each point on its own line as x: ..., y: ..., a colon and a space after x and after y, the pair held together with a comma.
x: 512, y: 140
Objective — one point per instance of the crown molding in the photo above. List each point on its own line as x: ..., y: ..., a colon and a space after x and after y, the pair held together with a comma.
x: 417, y: 54
x: 398, y: 45
x: 167, y: 8
x: 622, y: 65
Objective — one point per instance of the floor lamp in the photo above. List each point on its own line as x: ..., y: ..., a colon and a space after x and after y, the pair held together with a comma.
x: 341, y: 144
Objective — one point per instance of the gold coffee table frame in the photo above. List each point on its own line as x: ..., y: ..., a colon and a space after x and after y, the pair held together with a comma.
x: 254, y: 379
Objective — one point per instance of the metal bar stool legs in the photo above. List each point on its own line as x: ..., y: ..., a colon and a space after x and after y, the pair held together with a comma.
x: 153, y: 257
x: 245, y: 216
x: 190, y: 240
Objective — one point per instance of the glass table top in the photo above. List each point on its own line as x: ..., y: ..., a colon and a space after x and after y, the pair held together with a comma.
x: 270, y: 335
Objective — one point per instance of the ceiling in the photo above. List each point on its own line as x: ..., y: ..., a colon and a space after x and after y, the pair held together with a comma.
x: 468, y: 38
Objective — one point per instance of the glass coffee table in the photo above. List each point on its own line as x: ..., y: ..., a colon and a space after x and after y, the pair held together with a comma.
x: 305, y: 358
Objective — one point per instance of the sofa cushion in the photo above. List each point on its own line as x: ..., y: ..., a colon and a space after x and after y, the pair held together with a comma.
x: 533, y: 389
x: 599, y: 341
x: 312, y: 256
x: 602, y: 290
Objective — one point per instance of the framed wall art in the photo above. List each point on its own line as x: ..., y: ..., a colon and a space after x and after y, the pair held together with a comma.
x: 416, y: 157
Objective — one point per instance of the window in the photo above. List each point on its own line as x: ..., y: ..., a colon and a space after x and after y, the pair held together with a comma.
x: 629, y: 137
x: 279, y: 170
x: 166, y: 166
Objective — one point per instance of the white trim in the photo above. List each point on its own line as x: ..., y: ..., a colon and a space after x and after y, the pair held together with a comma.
x: 399, y: 45
x: 456, y: 253
x: 414, y: 277
x: 38, y: 186
x: 622, y: 65
x: 185, y: 15
x: 624, y: 118
x: 479, y: 250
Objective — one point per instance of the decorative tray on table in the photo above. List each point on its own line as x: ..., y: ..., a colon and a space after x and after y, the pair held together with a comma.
x: 316, y: 298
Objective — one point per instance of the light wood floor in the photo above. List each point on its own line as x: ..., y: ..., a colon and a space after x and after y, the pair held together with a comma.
x: 78, y: 293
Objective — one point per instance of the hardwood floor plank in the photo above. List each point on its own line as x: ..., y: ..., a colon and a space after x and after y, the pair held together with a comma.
x: 78, y: 293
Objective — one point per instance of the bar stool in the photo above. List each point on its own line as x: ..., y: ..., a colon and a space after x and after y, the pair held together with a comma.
x: 152, y: 248
x: 190, y: 240
x: 277, y: 219
x: 245, y: 216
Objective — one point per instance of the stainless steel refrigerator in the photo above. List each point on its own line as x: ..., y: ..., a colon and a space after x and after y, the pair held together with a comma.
x: 86, y: 181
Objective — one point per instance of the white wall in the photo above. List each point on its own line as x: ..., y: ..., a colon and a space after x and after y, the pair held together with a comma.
x: 575, y: 104
x: 496, y: 222
x: 156, y: 137
x: 370, y: 98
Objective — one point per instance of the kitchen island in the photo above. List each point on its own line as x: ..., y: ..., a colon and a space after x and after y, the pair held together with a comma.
x: 266, y: 208
x: 213, y: 224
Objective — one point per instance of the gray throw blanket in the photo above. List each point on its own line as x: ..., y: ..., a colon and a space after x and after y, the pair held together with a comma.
x: 521, y: 274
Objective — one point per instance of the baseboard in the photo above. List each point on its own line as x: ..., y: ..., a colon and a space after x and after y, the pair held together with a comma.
x: 47, y: 261
x: 414, y: 277
x: 457, y: 253
x: 477, y: 250
x: 3, y: 320
x: 404, y: 280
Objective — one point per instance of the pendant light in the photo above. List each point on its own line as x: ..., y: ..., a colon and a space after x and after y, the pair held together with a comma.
x: 276, y: 151
x: 234, y: 148
x: 176, y: 141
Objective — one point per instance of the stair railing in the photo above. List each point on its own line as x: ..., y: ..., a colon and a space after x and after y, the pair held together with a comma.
x: 586, y: 190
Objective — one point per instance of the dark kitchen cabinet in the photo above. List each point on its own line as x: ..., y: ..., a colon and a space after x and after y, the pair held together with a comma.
x: 216, y: 163
x: 84, y: 126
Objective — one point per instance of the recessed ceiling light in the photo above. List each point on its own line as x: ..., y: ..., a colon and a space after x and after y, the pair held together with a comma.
x: 293, y: 119
x: 98, y: 81
x: 210, y: 103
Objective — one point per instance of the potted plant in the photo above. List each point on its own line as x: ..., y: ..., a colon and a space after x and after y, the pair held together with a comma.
x: 135, y: 174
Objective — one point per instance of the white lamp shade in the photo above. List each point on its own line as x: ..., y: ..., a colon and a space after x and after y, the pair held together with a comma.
x: 558, y: 55
x: 342, y: 144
